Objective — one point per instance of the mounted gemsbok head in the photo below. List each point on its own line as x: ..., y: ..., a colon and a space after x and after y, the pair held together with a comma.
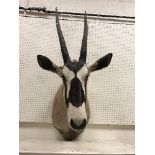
x: 70, y: 112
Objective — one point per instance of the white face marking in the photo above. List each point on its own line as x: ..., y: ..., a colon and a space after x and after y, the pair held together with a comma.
x: 69, y: 75
x: 81, y: 74
x: 75, y: 113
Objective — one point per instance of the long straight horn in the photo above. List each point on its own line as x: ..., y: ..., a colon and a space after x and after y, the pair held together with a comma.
x: 83, y: 52
x: 64, y: 50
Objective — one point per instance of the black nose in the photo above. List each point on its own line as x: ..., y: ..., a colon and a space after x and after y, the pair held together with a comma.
x: 78, y: 125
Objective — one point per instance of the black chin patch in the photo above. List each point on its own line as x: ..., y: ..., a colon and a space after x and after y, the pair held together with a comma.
x: 82, y: 126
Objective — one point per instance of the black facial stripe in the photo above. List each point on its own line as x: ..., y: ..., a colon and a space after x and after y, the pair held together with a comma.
x: 76, y: 93
x: 85, y: 84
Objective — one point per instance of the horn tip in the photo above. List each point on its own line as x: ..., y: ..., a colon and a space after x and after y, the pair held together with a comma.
x: 56, y: 13
x: 56, y: 9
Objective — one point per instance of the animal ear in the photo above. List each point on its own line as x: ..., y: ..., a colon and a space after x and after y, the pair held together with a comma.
x: 101, y: 63
x: 47, y: 64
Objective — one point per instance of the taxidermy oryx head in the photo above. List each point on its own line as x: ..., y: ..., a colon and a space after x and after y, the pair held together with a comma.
x: 70, y: 112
